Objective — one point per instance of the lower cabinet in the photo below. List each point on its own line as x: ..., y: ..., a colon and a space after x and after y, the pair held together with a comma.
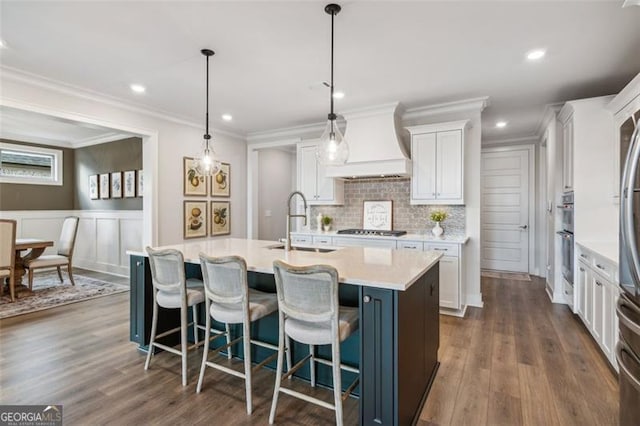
x: 449, y: 281
x: 597, y: 296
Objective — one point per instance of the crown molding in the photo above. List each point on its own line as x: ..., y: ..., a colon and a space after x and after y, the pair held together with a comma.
x: 285, y: 133
x: 518, y: 140
x: 465, y: 105
x: 104, y: 138
x: 630, y: 92
x: 14, y: 74
x: 550, y: 111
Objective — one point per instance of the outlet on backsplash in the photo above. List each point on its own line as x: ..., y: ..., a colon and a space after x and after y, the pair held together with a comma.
x: 411, y: 218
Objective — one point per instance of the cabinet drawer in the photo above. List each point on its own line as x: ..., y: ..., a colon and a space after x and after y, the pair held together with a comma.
x: 411, y: 245
x: 301, y: 239
x: 603, y: 267
x: 447, y: 249
x: 327, y: 241
x: 363, y: 242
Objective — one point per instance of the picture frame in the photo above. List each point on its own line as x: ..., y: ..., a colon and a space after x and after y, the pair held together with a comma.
x: 105, y: 186
x: 139, y: 186
x: 116, y: 184
x: 195, y: 219
x: 378, y: 215
x: 194, y: 183
x: 221, y: 181
x: 220, y: 218
x: 129, y: 183
x: 94, y: 187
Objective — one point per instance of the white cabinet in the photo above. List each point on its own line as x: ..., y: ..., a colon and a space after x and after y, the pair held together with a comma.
x: 449, y: 280
x: 411, y: 245
x: 580, y: 286
x: 437, y: 153
x: 567, y: 157
x: 322, y: 241
x: 609, y: 320
x: 363, y: 242
x: 598, y: 308
x: 312, y: 180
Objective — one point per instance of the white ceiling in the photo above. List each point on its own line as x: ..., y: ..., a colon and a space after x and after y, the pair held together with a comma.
x: 271, y: 56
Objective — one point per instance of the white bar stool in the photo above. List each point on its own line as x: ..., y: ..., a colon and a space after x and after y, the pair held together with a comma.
x: 230, y: 300
x: 309, y: 313
x: 171, y: 290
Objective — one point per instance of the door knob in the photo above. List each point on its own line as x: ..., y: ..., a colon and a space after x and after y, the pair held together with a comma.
x: 523, y: 227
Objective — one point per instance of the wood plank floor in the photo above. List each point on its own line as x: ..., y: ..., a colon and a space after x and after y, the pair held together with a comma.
x: 519, y: 360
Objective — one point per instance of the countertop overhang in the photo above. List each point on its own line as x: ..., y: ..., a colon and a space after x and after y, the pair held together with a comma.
x: 363, y: 266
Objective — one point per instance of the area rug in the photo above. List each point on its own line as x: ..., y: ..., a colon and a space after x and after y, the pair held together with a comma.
x: 49, y: 292
x: 517, y: 276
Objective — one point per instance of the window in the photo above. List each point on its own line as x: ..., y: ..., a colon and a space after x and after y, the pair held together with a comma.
x: 30, y: 165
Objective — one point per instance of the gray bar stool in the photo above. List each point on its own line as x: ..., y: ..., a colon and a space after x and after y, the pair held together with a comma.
x: 171, y: 290
x: 230, y: 300
x: 310, y: 313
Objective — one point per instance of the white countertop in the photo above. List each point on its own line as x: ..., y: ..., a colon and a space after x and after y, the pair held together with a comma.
x: 427, y: 237
x: 608, y: 249
x: 363, y: 266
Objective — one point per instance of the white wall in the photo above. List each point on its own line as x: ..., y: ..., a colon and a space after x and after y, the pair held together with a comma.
x: 165, y: 141
x: 276, y: 177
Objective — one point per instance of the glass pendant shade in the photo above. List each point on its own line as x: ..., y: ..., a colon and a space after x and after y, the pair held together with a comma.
x: 333, y: 149
x: 206, y: 163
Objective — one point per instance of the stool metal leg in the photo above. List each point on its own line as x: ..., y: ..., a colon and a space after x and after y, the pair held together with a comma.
x: 312, y: 365
x: 195, y: 323
x: 154, y: 326
x: 276, y: 389
x: 228, y: 330
x: 247, y: 362
x: 288, y: 353
x: 183, y: 343
x: 207, y: 337
x: 337, y: 381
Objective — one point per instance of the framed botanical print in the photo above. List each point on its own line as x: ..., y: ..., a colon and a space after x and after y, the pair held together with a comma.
x: 220, y: 218
x: 139, y: 189
x: 116, y: 185
x: 377, y: 215
x: 129, y: 183
x: 94, y: 188
x: 105, y: 186
x: 195, y: 219
x: 221, y: 181
x: 195, y: 184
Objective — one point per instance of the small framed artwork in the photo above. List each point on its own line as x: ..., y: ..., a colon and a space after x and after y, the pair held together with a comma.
x: 195, y: 219
x: 129, y: 183
x: 105, y: 186
x: 139, y: 189
x: 94, y: 188
x: 116, y: 185
x: 221, y: 181
x: 220, y: 218
x: 194, y: 183
x: 378, y: 215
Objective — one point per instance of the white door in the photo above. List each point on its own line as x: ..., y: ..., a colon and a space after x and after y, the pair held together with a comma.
x: 423, y: 153
x: 449, y: 168
x: 505, y: 210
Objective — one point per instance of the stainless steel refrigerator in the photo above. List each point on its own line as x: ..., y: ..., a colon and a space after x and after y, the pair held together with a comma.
x: 628, y: 306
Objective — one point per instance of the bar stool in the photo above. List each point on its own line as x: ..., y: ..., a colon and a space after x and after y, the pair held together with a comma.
x: 171, y: 290
x: 230, y: 300
x: 309, y: 313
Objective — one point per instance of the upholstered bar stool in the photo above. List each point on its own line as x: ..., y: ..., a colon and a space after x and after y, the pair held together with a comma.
x: 172, y: 290
x: 230, y: 300
x: 309, y: 313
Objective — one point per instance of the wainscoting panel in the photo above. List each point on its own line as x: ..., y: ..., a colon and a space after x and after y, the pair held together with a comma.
x: 103, y: 236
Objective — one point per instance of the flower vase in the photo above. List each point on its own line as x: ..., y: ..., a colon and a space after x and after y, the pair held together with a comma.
x: 326, y: 228
x: 437, y: 230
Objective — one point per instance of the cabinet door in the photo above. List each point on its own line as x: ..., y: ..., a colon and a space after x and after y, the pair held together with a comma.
x: 423, y: 155
x: 449, y: 278
x: 580, y: 287
x: 567, y: 161
x: 363, y: 242
x: 588, y: 296
x: 598, y: 308
x: 324, y: 185
x: 308, y: 172
x: 449, y: 165
x: 608, y: 318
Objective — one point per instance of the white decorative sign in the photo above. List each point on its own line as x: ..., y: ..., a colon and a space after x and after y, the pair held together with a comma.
x: 378, y: 215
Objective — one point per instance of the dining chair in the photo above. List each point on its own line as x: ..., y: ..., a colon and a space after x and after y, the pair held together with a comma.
x: 309, y: 313
x: 8, y: 255
x: 64, y: 257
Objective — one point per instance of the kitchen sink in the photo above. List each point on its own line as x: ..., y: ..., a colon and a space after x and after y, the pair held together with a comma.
x: 311, y: 249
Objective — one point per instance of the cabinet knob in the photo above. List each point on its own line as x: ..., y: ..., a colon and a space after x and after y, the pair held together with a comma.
x: 138, y: 264
x: 433, y: 193
x: 599, y: 266
x: 598, y: 283
x: 581, y: 269
x: 366, y: 299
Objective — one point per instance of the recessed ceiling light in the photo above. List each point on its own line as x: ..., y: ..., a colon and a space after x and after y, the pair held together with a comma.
x: 501, y: 124
x: 338, y: 95
x: 227, y: 117
x: 138, y: 88
x: 536, y: 54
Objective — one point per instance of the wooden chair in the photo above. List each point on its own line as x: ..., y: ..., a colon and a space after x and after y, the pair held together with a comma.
x: 8, y: 255
x: 66, y: 245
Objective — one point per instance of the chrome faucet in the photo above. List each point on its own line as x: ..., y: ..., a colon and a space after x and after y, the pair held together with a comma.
x: 287, y: 243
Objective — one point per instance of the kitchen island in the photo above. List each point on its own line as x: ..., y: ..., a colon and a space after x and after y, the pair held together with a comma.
x: 396, y: 292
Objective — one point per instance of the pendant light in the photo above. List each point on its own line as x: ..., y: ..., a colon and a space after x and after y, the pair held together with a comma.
x: 206, y: 163
x: 333, y: 149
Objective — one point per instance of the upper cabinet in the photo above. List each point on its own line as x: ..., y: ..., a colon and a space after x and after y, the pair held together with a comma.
x: 437, y: 153
x: 567, y: 157
x: 312, y: 181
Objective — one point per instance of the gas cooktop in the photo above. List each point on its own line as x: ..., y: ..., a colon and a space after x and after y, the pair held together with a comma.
x: 374, y: 232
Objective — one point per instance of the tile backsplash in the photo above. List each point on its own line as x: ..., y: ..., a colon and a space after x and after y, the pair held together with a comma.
x: 413, y: 219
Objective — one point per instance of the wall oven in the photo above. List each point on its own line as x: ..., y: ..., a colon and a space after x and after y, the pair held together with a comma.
x: 567, y: 238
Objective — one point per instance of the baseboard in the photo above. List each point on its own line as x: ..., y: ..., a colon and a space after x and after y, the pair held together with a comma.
x: 106, y: 268
x: 460, y: 313
x: 475, y: 300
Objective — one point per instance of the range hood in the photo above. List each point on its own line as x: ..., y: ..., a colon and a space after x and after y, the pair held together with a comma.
x: 376, y: 148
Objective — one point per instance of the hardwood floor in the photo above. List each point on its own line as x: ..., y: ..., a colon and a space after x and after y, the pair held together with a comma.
x: 519, y: 360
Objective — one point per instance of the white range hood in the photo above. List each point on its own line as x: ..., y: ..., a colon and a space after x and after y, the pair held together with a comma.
x: 375, y: 146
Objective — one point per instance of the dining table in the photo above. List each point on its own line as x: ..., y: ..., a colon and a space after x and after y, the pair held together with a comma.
x: 35, y: 246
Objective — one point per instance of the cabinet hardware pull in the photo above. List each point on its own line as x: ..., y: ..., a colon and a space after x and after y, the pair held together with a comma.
x: 581, y: 269
x: 440, y: 249
x: 599, y: 266
x: 138, y: 263
x: 598, y: 283
x: 583, y: 256
x: 366, y: 299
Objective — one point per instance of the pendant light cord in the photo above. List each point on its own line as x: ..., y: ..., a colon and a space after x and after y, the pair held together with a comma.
x: 207, y: 136
x: 332, y: 115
